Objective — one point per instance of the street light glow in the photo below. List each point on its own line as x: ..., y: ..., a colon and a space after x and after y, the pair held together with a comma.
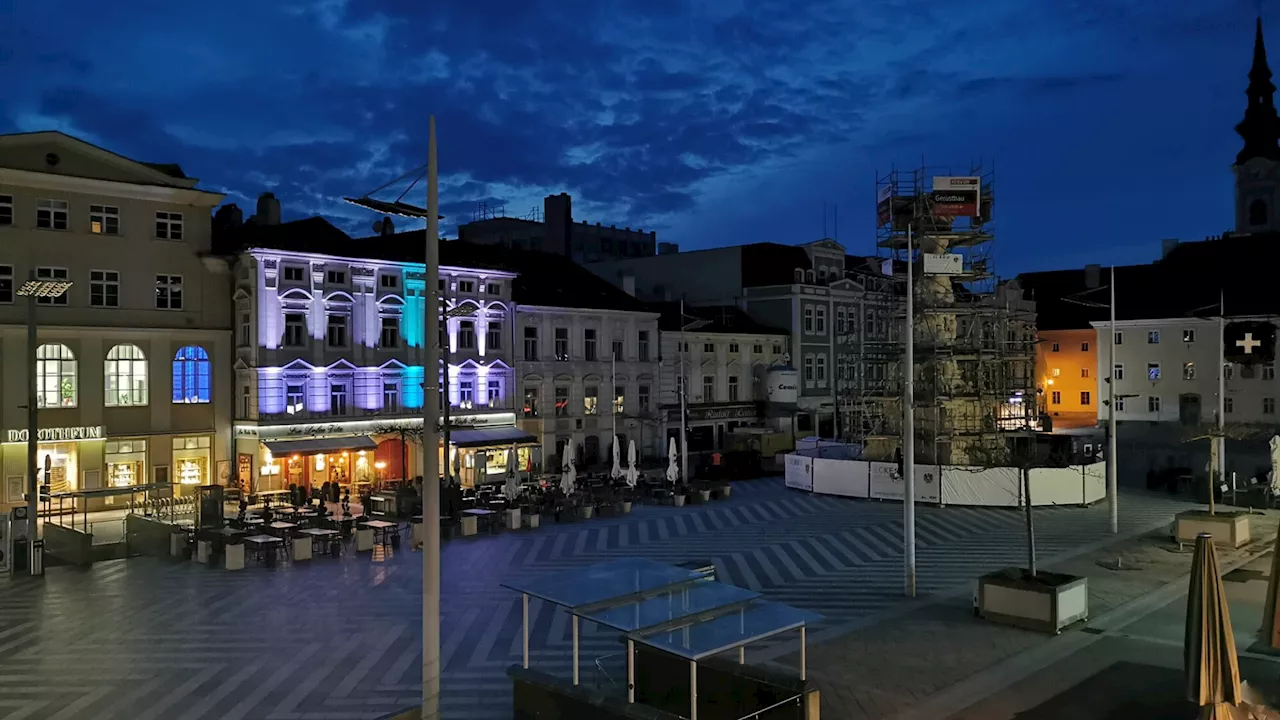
x: 44, y: 288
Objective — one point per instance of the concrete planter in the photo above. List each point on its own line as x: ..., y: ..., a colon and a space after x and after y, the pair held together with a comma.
x: 1229, y: 529
x: 704, y: 496
x: 470, y: 525
x: 587, y: 511
x: 364, y: 540
x: 725, y: 491
x: 301, y: 548
x: 532, y: 520
x: 513, y: 518
x: 1047, y: 603
x: 233, y: 557
x: 678, y: 500
x: 625, y: 507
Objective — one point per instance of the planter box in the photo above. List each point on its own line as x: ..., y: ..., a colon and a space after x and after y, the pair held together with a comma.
x: 364, y: 540
x: 1229, y: 529
x: 725, y: 491
x: 233, y: 558
x: 678, y: 500
x: 470, y: 525
x: 1047, y: 603
x: 626, y: 507
x: 301, y: 548
x: 415, y: 535
x: 704, y: 496
x: 588, y: 511
x: 204, y: 551
x: 513, y: 518
x: 532, y: 521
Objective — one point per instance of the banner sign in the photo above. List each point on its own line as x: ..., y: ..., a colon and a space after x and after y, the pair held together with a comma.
x: 1249, y: 342
x: 956, y: 196
x: 799, y: 472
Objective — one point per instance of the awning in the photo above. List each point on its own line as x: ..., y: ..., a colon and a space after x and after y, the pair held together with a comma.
x: 490, y: 436
x: 312, y: 446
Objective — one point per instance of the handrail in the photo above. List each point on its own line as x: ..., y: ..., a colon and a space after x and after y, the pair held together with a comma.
x: 778, y: 704
x: 600, y: 668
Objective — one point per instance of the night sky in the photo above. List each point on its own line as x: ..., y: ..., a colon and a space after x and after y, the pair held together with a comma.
x: 715, y: 122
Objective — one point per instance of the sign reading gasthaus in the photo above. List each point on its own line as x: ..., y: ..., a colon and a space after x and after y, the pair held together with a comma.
x: 62, y: 434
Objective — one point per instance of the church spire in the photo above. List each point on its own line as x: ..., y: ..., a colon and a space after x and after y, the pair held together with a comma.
x: 1260, y: 127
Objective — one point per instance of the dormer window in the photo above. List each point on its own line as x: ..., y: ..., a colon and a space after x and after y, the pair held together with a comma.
x: 808, y: 276
x: 799, y: 275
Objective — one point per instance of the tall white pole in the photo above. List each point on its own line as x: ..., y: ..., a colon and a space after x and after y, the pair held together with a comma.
x: 1113, y: 469
x: 431, y: 447
x: 684, y: 411
x: 613, y: 405
x: 34, y: 566
x: 909, y: 433
x: 1222, y: 391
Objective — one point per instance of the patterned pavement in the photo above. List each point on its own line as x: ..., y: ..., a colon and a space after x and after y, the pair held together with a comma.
x: 146, y: 639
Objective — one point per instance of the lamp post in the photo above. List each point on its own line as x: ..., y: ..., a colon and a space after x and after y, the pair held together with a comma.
x: 909, y: 434
x: 430, y: 445
x: 34, y: 289
x: 684, y: 391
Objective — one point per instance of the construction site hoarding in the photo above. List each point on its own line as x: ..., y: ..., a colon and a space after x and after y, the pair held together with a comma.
x: 957, y: 196
x: 942, y: 263
x: 782, y: 386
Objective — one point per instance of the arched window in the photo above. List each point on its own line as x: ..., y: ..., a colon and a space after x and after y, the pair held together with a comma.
x: 191, y: 375
x: 1258, y: 213
x: 55, y: 376
x: 126, y: 373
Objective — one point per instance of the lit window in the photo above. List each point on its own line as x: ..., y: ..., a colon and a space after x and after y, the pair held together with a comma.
x: 104, y: 220
x: 55, y: 376
x: 126, y: 375
x: 191, y: 373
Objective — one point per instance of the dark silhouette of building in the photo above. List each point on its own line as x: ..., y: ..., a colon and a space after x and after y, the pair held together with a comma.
x: 558, y: 233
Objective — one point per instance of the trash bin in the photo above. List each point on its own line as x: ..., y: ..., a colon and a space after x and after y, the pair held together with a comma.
x: 178, y: 545
x: 21, y: 557
x: 37, y: 557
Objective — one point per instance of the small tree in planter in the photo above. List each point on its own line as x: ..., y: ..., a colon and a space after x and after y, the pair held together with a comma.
x: 1230, y: 528
x: 1027, y: 596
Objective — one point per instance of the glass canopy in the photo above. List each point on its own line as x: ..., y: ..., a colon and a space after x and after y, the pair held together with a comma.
x: 606, y: 581
x: 733, y: 629
x: 664, y: 606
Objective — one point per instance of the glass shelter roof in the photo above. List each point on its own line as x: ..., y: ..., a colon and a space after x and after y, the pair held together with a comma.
x: 616, y: 579
x: 733, y: 628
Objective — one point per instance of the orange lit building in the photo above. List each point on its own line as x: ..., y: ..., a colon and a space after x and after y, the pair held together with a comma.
x: 1066, y: 376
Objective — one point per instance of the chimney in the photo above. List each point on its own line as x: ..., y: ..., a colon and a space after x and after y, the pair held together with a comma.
x: 268, y: 210
x: 1166, y: 246
x: 228, y: 217
x: 629, y: 284
x: 557, y: 212
x: 1092, y: 276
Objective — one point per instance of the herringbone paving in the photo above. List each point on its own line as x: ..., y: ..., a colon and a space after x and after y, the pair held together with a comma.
x: 144, y: 638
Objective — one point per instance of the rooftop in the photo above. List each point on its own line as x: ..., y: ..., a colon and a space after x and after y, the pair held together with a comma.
x: 728, y: 319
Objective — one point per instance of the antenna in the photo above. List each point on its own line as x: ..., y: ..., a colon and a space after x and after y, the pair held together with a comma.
x: 835, y: 219
x: 824, y: 219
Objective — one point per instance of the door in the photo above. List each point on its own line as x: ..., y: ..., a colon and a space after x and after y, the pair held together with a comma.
x: 1189, y: 409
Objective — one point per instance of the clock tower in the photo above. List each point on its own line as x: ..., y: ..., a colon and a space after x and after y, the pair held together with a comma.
x: 1257, y: 166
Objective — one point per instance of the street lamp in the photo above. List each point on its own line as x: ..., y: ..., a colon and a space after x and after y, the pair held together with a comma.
x: 684, y: 390
x: 34, y: 289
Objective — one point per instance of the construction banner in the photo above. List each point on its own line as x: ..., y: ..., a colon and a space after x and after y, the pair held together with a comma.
x: 1250, y: 342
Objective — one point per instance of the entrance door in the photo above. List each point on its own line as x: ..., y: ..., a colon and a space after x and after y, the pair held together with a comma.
x: 1189, y: 409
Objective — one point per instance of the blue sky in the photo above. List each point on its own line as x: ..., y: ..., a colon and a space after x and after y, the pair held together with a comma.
x: 715, y: 123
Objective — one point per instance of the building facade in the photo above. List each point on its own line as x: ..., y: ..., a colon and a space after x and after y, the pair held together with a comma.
x: 133, y: 362
x: 557, y: 232
x: 1067, y: 377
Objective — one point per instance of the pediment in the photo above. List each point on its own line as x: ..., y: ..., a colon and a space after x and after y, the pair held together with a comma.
x: 76, y: 158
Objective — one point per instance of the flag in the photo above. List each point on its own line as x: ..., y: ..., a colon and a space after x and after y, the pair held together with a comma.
x: 1249, y: 342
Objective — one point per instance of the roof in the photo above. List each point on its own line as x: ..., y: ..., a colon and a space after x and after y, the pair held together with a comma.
x: 766, y: 264
x: 729, y: 319
x: 173, y: 170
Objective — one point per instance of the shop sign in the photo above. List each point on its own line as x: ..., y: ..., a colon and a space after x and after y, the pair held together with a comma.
x: 62, y: 434
x: 739, y: 412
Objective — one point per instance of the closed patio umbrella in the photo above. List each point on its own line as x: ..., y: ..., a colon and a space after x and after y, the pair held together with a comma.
x: 512, y: 488
x: 1269, y: 634
x: 1209, y: 648
x: 569, y: 473
x: 616, y: 472
x: 673, y: 459
x: 633, y: 473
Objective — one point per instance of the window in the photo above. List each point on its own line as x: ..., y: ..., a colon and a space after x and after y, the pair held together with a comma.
x: 246, y: 401
x: 1268, y: 406
x: 531, y: 401
x: 619, y: 399
x: 1084, y: 372
x: 104, y: 220
x: 390, y: 397
x: 466, y: 334
x: 1228, y: 371
x: 709, y: 348
x: 337, y: 398
x: 808, y: 318
x: 799, y: 275
x: 820, y: 323
x: 1153, y: 338
x: 246, y: 328
x: 1056, y: 397
x: 642, y: 398
x: 842, y: 320
x: 1229, y: 404
x: 493, y: 289
x: 466, y: 286
x: 295, y: 330
x: 126, y: 374
x: 52, y: 273
x: 336, y: 331
x: 757, y: 349
x: 1268, y: 372
x: 1119, y: 404
x: 562, y: 401
x: 51, y: 214
x: 390, y: 336
x: 777, y: 349
x: 388, y: 282
x: 589, y: 344
x: 6, y: 210
x: 643, y: 345
x: 294, y: 399
x: 733, y: 348
x: 591, y: 400
x: 530, y: 344
x: 1054, y: 348
x: 6, y: 284
x: 708, y: 388
x: 1084, y: 397
x: 191, y: 375
x: 821, y: 366
x: 733, y: 388
x: 168, y: 292
x: 169, y: 225
x: 562, y: 344
x: 1084, y: 347
x: 104, y: 288
x: 617, y: 349
x: 55, y: 376
x: 1188, y: 336
x: 1153, y: 371
x: 493, y: 335
x: 808, y: 276
x: 1119, y: 338
x: 494, y: 394
x: 1117, y: 372
x: 335, y: 277
x: 808, y: 368
x: 1153, y: 403
x: 1188, y: 371
x: 293, y: 273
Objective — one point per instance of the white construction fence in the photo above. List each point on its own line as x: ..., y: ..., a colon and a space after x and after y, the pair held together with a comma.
x: 947, y: 484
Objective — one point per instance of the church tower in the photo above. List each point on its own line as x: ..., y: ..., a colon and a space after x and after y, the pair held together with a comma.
x: 1257, y: 166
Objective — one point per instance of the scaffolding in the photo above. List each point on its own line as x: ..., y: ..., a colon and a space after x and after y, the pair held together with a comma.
x: 974, y: 336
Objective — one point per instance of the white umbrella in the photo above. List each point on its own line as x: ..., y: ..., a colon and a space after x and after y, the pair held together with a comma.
x: 512, y: 488
x: 633, y: 474
x: 456, y: 476
x: 1275, y: 465
x: 673, y: 470
x: 566, y: 467
x: 616, y: 472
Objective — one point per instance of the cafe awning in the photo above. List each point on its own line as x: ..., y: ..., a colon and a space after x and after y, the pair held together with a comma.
x: 311, y: 446
x: 479, y: 437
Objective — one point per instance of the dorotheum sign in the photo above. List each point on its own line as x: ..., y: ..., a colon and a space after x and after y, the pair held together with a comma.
x: 61, y: 434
